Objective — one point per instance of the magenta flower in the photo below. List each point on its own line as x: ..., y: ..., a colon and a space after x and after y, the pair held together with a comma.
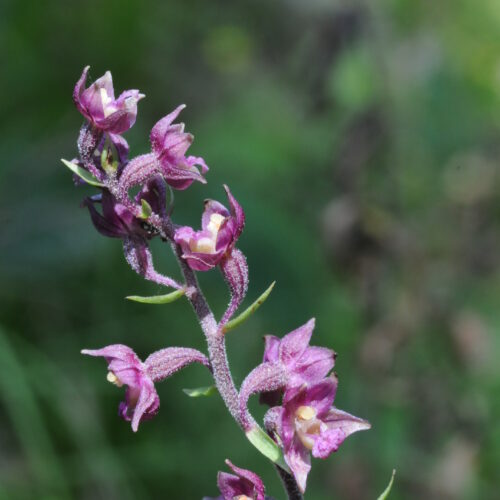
x: 169, y: 144
x: 303, y: 364
x: 221, y: 228
x: 125, y: 368
x: 308, y: 423
x: 98, y: 105
x: 117, y: 221
x: 245, y: 485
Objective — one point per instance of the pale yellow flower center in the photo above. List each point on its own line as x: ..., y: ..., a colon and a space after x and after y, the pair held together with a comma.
x: 207, y: 244
x: 111, y: 377
x: 242, y: 497
x: 306, y: 425
x: 305, y: 412
x: 106, y: 100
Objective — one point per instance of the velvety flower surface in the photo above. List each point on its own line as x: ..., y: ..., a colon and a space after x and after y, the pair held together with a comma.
x: 115, y: 220
x: 308, y: 423
x: 220, y: 229
x: 169, y: 144
x: 304, y: 364
x: 125, y: 368
x: 97, y: 104
x: 242, y: 485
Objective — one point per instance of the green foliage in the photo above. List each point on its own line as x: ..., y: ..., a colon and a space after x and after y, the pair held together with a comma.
x: 385, y: 493
x: 82, y: 173
x: 241, y: 318
x: 200, y: 391
x: 361, y: 139
x: 158, y: 299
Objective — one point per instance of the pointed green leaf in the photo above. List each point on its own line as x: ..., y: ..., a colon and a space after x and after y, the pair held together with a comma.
x: 82, y: 173
x: 200, y: 391
x: 158, y: 299
x: 146, y: 209
x: 249, y: 311
x: 386, y: 492
x: 267, y: 446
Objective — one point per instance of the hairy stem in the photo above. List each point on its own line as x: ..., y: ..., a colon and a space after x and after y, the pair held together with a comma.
x: 214, y: 334
x: 290, y: 485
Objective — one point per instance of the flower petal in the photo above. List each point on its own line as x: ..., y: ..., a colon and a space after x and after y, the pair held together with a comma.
x: 298, y: 459
x: 237, y: 212
x: 295, y: 343
x: 161, y: 128
x: 147, y: 405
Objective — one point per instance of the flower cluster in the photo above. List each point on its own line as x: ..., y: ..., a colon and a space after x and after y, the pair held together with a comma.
x: 302, y: 418
x: 294, y: 378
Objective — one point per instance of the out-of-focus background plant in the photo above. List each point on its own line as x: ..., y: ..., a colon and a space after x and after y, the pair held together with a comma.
x: 369, y: 128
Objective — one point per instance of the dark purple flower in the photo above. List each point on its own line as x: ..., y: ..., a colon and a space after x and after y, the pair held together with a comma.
x: 221, y: 228
x: 308, y: 423
x: 117, y: 221
x: 169, y: 144
x: 125, y: 368
x: 242, y: 485
x: 97, y: 104
x: 303, y: 364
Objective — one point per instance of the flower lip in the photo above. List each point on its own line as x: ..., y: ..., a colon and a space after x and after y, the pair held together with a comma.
x: 220, y: 229
x: 309, y: 423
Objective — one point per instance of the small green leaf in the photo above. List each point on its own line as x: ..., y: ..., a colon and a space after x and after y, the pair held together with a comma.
x: 249, y: 311
x: 146, y: 209
x: 82, y: 173
x: 386, y: 492
x: 267, y: 446
x: 200, y: 391
x: 158, y: 299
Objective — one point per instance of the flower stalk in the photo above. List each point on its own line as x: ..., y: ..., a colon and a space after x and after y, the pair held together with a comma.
x: 293, y: 377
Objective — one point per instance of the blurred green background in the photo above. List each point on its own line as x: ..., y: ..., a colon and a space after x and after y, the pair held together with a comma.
x: 362, y: 139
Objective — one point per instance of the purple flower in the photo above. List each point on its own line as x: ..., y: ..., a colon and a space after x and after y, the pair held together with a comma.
x: 245, y: 485
x: 303, y: 364
x: 169, y: 144
x: 98, y: 104
x: 307, y: 423
x: 221, y: 228
x: 117, y: 221
x: 125, y: 368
